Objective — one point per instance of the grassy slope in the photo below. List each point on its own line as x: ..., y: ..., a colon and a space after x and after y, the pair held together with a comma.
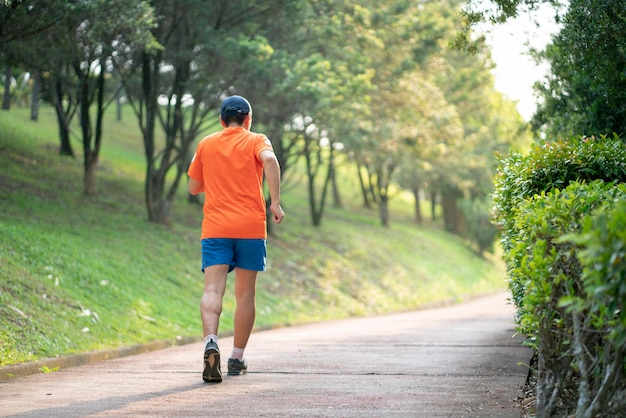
x: 82, y: 273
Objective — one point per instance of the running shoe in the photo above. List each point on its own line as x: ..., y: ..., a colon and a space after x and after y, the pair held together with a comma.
x: 237, y: 367
x: 212, y: 369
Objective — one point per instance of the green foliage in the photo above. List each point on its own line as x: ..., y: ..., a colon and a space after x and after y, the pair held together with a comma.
x: 480, y: 229
x: 585, y: 90
x: 570, y: 317
x: 550, y: 166
x: 84, y: 273
x: 603, y: 258
x: 553, y: 165
x: 476, y: 12
x: 604, y: 263
x: 363, y: 77
x: 543, y: 268
x: 561, y: 239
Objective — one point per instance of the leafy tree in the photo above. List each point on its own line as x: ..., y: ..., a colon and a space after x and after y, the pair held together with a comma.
x: 158, y: 82
x: 59, y: 89
x: 26, y: 37
x: 74, y: 45
x: 317, y: 93
x: 208, y: 50
x: 346, y: 68
x: 434, y: 130
x: 585, y: 91
x: 404, y: 35
x: 271, y: 83
x: 24, y: 19
x: 490, y: 124
x: 99, y: 36
x: 476, y: 12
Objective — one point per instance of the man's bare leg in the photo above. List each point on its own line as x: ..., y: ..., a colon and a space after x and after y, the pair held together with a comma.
x: 210, y: 311
x: 211, y: 302
x: 245, y: 311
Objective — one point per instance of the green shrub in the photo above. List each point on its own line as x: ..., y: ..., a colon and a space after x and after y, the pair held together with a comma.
x: 604, y: 262
x: 599, y: 314
x: 567, y: 305
x: 568, y: 326
x: 544, y: 267
x: 549, y: 166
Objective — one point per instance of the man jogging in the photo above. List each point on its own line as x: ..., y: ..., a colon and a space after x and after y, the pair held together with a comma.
x: 228, y: 168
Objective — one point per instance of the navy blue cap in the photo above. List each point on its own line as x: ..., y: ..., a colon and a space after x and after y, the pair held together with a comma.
x: 235, y: 106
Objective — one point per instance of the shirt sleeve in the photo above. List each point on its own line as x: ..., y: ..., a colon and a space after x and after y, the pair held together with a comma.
x: 195, y: 168
x: 262, y: 143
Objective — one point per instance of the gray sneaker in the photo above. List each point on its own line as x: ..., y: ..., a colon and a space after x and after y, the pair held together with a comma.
x: 237, y: 367
x: 212, y: 368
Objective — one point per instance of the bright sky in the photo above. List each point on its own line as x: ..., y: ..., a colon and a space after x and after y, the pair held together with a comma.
x: 515, y: 71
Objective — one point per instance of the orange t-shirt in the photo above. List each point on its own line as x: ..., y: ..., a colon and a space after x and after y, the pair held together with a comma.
x: 228, y: 164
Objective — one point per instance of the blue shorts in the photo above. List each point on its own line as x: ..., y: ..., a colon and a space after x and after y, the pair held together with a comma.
x: 249, y: 254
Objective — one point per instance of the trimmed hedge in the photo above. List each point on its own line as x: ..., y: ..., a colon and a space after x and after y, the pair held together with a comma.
x: 550, y: 166
x: 557, y: 209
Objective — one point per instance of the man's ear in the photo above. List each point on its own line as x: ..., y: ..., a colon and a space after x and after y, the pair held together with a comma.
x: 223, y: 123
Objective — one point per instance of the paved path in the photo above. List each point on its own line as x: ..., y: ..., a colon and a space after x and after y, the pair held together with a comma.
x: 455, y: 361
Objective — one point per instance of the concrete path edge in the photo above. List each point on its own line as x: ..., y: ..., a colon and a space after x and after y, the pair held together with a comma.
x: 79, y: 359
x: 73, y: 360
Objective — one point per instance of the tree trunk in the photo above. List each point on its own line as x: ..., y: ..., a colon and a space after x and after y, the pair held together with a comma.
x: 383, y: 207
x: 6, y: 98
x: 418, y: 210
x: 65, y: 147
x: 453, y: 218
x: 313, y: 164
x: 310, y: 176
x: 154, y: 196
x: 118, y: 105
x: 333, y: 179
x: 89, y: 176
x: 322, y: 204
x: 178, y: 137
x: 160, y: 212
x: 433, y: 204
x: 85, y: 126
x: 147, y: 121
x: 91, y: 137
x: 34, y: 102
x: 91, y: 154
x: 364, y: 192
x: 382, y: 186
x: 450, y: 212
x: 371, y: 186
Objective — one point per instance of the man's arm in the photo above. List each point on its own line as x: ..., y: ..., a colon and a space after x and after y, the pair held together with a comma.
x: 195, y: 186
x: 272, y: 176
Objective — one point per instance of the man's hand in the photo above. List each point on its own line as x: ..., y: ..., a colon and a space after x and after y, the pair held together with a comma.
x: 278, y: 213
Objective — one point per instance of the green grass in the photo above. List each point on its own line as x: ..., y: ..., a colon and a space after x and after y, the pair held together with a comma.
x: 81, y: 273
